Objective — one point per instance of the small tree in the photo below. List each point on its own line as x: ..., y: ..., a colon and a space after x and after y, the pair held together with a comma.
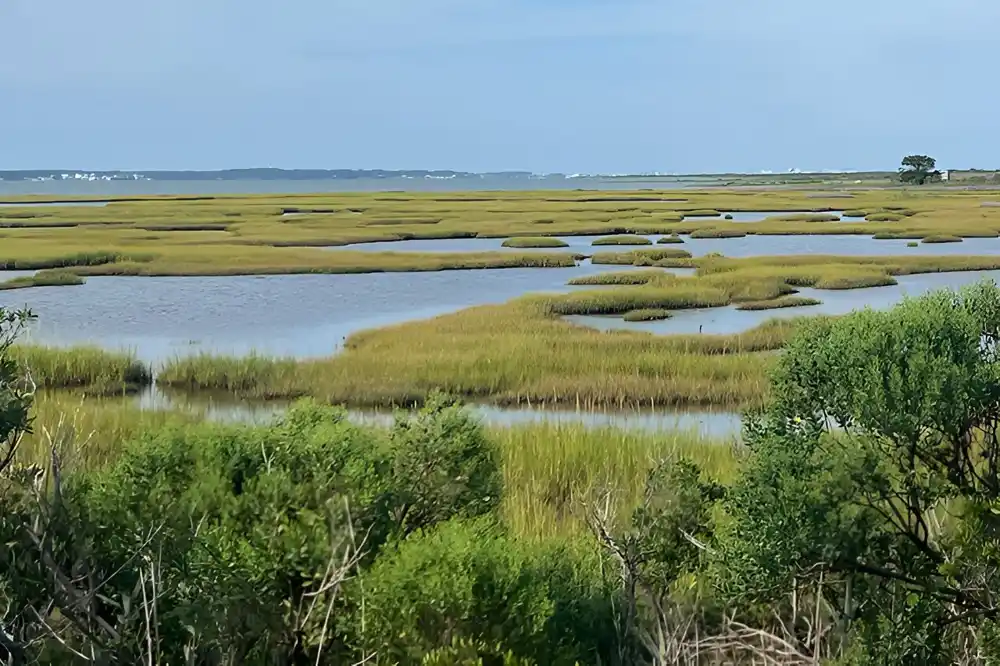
x: 874, y: 479
x: 919, y: 169
x: 15, y: 394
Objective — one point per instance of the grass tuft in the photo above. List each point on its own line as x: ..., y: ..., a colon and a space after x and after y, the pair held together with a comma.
x: 648, y: 314
x: 534, y: 241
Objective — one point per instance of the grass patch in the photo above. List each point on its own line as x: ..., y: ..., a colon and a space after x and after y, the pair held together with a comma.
x: 76, y: 367
x: 913, y: 244
x: 701, y: 212
x: 622, y: 278
x: 47, y: 278
x: 623, y: 239
x: 855, y: 212
x: 534, y: 241
x: 639, y: 257
x: 668, y: 240
x: 941, y: 238
x: 648, y: 314
x: 884, y: 217
x: 718, y: 233
x: 807, y: 217
x: 784, y: 302
x: 550, y: 470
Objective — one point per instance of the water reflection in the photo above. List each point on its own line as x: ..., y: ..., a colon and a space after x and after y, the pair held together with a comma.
x: 222, y: 408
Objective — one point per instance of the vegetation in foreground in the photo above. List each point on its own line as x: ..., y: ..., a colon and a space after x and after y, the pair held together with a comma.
x: 271, y: 234
x: 855, y: 528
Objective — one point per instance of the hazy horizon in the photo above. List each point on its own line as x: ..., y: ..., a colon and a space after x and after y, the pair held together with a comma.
x: 637, y: 86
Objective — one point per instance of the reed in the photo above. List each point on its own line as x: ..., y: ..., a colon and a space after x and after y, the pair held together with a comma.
x: 73, y: 367
x: 551, y: 470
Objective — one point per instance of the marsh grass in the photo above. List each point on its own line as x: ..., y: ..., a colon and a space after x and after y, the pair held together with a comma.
x: 718, y: 233
x: 806, y: 217
x: 534, y: 241
x: 249, y: 234
x: 941, y: 238
x: 784, y: 302
x: 622, y: 278
x: 667, y: 240
x: 636, y: 257
x: 649, y: 314
x: 88, y: 432
x: 884, y: 217
x: 551, y: 470
x: 623, y: 239
x: 46, y: 278
x: 74, y: 367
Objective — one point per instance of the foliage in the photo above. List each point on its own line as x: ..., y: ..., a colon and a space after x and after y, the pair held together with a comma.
x: 875, y: 477
x: 919, y: 169
x: 15, y: 397
x: 470, y: 581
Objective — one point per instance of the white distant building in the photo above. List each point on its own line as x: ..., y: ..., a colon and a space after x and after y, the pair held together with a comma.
x: 944, y: 174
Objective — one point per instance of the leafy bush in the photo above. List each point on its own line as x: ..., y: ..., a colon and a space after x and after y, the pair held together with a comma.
x: 468, y: 580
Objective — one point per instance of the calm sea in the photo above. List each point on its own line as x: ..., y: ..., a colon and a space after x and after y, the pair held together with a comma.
x: 141, y: 187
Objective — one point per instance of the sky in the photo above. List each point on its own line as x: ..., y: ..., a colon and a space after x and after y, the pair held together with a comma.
x: 572, y: 86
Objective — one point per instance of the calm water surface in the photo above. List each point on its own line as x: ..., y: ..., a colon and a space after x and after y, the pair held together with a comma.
x: 287, y: 315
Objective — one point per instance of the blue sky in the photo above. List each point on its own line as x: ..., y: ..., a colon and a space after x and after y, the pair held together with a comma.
x: 541, y: 85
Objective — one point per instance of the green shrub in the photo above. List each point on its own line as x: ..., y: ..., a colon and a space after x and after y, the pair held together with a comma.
x: 546, y: 603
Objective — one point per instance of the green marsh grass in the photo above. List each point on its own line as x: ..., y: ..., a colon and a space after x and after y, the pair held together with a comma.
x: 551, y: 470
x: 784, y: 302
x: 941, y: 238
x: 634, y: 257
x: 46, y: 278
x: 74, y: 367
x: 248, y: 234
x: 87, y: 432
x: 648, y: 314
x: 667, y: 240
x: 622, y: 278
x: 718, y: 233
x: 534, y: 241
x: 623, y: 239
